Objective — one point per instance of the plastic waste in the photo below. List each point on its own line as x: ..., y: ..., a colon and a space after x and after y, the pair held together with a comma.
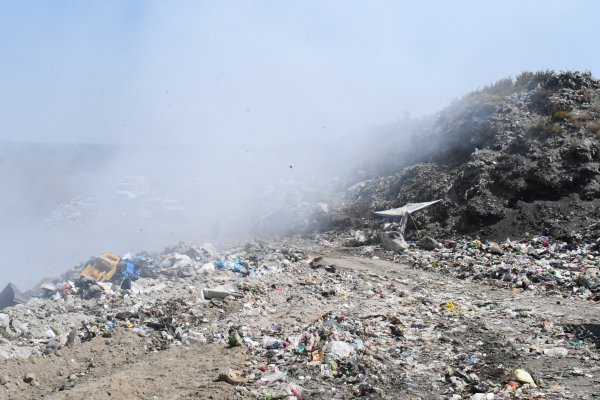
x: 49, y: 333
x: 110, y: 324
x: 235, y: 265
x: 482, y: 396
x: 130, y: 271
x: 219, y: 294
x: 295, y: 391
x: 272, y: 343
x: 524, y: 377
x: 450, y: 306
x: 102, y: 268
x: 273, y: 375
x: 126, y: 284
x: 339, y: 348
x: 556, y: 352
x: 66, y: 386
x: 207, y: 269
x: 393, y: 242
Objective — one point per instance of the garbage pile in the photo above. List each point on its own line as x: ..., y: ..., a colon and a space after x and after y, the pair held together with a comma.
x: 520, y: 156
x: 156, y: 296
x: 308, y: 328
x: 373, y: 338
x: 538, y: 264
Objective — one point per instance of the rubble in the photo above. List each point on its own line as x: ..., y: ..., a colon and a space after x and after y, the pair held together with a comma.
x: 312, y: 327
x: 518, y: 157
x: 538, y: 264
x: 374, y: 309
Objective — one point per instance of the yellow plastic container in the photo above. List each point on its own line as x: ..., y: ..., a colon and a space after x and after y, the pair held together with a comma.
x: 103, y: 268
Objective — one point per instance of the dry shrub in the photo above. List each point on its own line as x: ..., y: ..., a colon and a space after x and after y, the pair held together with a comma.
x: 544, y: 127
x: 501, y: 87
x: 553, y: 129
x: 523, y: 79
x: 527, y: 78
x: 543, y: 74
x: 541, y: 100
x: 594, y: 127
x: 561, y: 115
x: 580, y: 118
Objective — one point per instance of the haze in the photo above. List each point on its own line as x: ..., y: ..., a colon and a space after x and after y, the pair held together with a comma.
x: 222, y: 112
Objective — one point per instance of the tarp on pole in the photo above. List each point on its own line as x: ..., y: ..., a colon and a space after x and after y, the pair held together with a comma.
x: 407, y: 209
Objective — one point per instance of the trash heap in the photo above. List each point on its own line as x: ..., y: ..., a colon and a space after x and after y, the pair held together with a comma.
x: 518, y: 156
x: 375, y: 339
x: 157, y: 296
x: 537, y: 264
x: 305, y: 327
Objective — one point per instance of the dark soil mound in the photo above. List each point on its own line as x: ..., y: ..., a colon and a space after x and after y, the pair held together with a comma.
x: 518, y: 156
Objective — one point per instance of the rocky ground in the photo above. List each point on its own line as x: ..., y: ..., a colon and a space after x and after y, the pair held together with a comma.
x: 309, y: 318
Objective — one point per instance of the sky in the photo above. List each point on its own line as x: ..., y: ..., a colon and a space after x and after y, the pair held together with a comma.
x: 230, y: 72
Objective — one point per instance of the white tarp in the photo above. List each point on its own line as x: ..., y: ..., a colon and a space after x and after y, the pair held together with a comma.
x: 407, y: 209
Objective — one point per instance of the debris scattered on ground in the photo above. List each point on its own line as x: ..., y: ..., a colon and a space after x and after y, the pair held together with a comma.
x: 295, y: 324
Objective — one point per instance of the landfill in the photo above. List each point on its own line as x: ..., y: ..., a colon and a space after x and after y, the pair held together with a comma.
x: 518, y: 156
x: 465, y: 270
x: 538, y: 264
x: 310, y: 318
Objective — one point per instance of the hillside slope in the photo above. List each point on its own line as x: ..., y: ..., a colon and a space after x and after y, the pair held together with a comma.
x: 519, y: 156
